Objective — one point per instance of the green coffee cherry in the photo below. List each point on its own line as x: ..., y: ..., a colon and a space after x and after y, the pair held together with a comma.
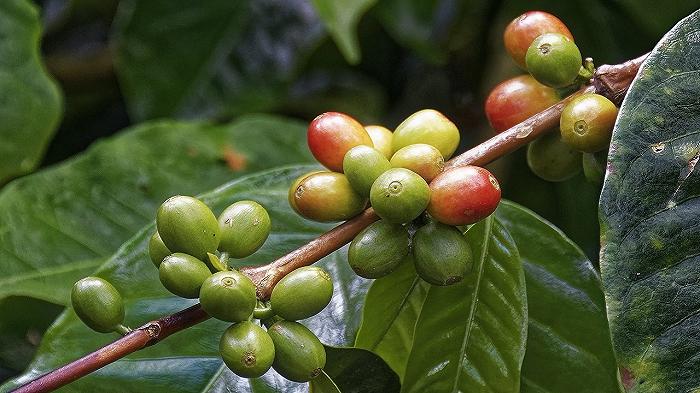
x: 362, y: 165
x: 247, y: 349
x: 157, y: 249
x: 183, y: 275
x: 299, y: 355
x: 302, y: 293
x: 587, y: 122
x: 228, y: 296
x: 326, y: 197
x: 551, y: 159
x: 187, y: 225
x: 442, y: 254
x: 244, y: 227
x: 381, y: 138
x: 399, y: 195
x: 98, y: 304
x: 378, y: 249
x: 427, y: 126
x: 421, y: 158
x: 291, y: 194
x: 554, y: 60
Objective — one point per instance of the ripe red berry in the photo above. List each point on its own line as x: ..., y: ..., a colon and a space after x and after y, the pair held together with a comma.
x: 520, y: 33
x: 331, y: 135
x: 463, y: 195
x: 514, y: 100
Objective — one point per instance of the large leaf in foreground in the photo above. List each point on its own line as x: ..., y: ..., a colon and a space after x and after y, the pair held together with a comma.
x: 471, y: 336
x: 189, y: 360
x: 649, y: 213
x: 30, y: 103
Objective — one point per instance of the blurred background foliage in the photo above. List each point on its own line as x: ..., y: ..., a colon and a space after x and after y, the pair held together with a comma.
x: 119, y: 63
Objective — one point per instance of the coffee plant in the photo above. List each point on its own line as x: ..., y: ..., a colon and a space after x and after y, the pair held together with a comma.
x: 388, y: 226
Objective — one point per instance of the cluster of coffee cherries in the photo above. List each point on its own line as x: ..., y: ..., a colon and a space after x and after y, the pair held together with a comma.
x: 542, y: 44
x: 402, y: 175
x: 191, y: 249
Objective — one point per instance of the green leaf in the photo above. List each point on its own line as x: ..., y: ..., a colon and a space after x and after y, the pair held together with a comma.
x: 341, y: 19
x: 471, y: 336
x: 189, y: 360
x: 213, y: 59
x: 392, y: 306
x: 356, y: 370
x: 649, y: 213
x: 568, y: 343
x: 323, y: 384
x: 30, y: 103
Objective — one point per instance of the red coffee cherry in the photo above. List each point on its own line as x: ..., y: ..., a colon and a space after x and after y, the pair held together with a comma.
x: 331, y: 135
x: 520, y: 33
x: 514, y: 100
x: 463, y: 195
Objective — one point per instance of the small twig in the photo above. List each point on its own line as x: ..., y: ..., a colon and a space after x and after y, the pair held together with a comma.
x: 609, y: 80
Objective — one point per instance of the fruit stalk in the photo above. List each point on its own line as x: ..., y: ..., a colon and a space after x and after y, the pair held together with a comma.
x: 611, y: 81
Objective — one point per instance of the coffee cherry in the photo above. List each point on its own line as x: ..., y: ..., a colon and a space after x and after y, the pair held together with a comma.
x: 302, y: 293
x: 362, y: 166
x: 299, y: 355
x: 425, y: 160
x: 463, y: 195
x: 326, y: 197
x: 247, y: 349
x: 183, y: 275
x: 98, y: 304
x: 594, y: 166
x: 187, y: 225
x: 228, y: 296
x: 157, y: 249
x: 244, y: 227
x: 292, y: 190
x: 399, y: 195
x: 378, y: 249
x: 427, y: 126
x: 514, y: 100
x: 520, y: 33
x: 587, y: 122
x: 554, y: 60
x: 381, y: 138
x: 331, y: 135
x: 551, y: 159
x: 442, y: 254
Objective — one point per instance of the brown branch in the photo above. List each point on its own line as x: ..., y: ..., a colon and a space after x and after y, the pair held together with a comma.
x: 611, y: 81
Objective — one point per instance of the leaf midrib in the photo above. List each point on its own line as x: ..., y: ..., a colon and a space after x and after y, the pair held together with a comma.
x: 404, y: 301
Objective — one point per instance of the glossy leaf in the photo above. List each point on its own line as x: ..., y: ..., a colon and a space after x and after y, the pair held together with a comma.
x: 568, y: 342
x: 356, y: 370
x: 341, y: 19
x: 30, y: 102
x: 470, y: 336
x: 323, y: 384
x: 189, y: 360
x: 649, y: 215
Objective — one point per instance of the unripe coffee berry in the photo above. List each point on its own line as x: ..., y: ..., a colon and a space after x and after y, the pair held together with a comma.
x: 244, y: 227
x: 514, y: 100
x: 381, y: 138
x: 399, y: 195
x: 98, y: 304
x: 183, y: 275
x: 228, y: 296
x: 299, y: 355
x: 463, y: 195
x: 421, y: 158
x: 331, y: 135
x: 554, y: 60
x: 302, y: 293
x: 157, y: 250
x: 551, y: 159
x: 520, y: 33
x: 187, y: 225
x: 362, y: 166
x: 326, y: 197
x: 293, y: 188
x: 442, y: 254
x: 378, y: 249
x: 587, y: 122
x: 427, y: 126
x: 247, y: 349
